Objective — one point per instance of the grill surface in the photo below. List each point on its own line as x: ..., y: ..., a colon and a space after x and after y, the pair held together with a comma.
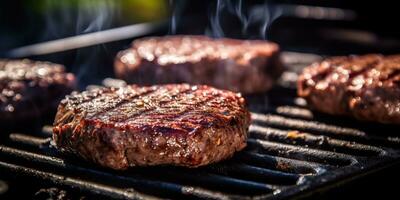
x: 291, y: 151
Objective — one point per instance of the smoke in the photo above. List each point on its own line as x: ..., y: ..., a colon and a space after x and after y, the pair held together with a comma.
x: 95, y: 18
x: 236, y: 7
x: 67, y: 18
x: 70, y: 18
x: 216, y: 29
x: 177, y: 7
x: 269, y: 14
x: 92, y: 19
x: 222, y: 14
x: 261, y: 16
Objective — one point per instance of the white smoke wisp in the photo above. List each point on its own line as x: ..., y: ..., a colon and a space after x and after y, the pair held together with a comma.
x: 71, y: 18
x: 172, y: 26
x: 216, y: 29
x: 92, y: 19
x: 236, y: 7
x: 177, y: 7
x: 270, y: 14
x: 96, y: 19
x: 261, y: 16
x: 67, y: 18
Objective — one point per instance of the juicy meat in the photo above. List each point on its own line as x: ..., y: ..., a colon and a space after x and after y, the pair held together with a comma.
x: 175, y: 124
x: 29, y: 89
x: 246, y: 66
x: 366, y: 87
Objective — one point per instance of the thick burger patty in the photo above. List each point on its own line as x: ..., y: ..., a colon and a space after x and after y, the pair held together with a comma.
x: 29, y: 89
x: 175, y: 124
x: 366, y: 87
x: 246, y: 66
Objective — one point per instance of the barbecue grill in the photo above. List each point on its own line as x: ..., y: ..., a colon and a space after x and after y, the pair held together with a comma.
x: 292, y: 152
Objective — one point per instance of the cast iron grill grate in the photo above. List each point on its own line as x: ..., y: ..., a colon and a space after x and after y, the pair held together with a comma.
x: 291, y: 151
x: 285, y: 156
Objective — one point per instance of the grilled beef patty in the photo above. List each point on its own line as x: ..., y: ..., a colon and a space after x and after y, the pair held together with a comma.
x: 366, y: 87
x: 175, y: 124
x: 30, y: 89
x: 238, y: 65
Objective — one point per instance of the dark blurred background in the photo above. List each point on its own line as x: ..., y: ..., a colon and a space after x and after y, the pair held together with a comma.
x: 330, y: 27
x: 24, y: 22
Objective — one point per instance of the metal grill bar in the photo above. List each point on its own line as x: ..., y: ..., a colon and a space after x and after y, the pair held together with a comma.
x: 301, y: 153
x: 320, y: 142
x: 292, y: 111
x: 109, y: 191
x: 255, y: 173
x: 276, y: 120
x: 182, y: 175
x: 281, y: 163
x: 160, y: 186
x: 245, y: 174
x: 321, y: 129
x: 245, y: 171
x: 29, y: 140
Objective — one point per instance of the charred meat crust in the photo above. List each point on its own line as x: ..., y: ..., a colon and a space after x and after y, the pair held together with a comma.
x: 246, y: 66
x: 365, y: 87
x: 29, y: 89
x: 175, y: 124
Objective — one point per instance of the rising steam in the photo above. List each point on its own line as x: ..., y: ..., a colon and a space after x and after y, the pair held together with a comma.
x: 261, y: 16
x: 70, y: 18
x: 67, y: 18
x: 216, y: 29
x: 269, y: 14
x: 177, y: 7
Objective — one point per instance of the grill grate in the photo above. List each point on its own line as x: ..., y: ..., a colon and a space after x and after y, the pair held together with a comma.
x: 285, y: 156
x: 291, y: 151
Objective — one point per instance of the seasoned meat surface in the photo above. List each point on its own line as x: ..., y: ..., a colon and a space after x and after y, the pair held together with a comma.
x: 176, y: 124
x: 29, y: 89
x: 366, y: 87
x: 246, y: 66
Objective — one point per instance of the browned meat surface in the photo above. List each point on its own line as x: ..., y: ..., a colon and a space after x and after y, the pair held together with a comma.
x: 175, y: 124
x: 29, y: 89
x: 246, y: 66
x: 366, y: 87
